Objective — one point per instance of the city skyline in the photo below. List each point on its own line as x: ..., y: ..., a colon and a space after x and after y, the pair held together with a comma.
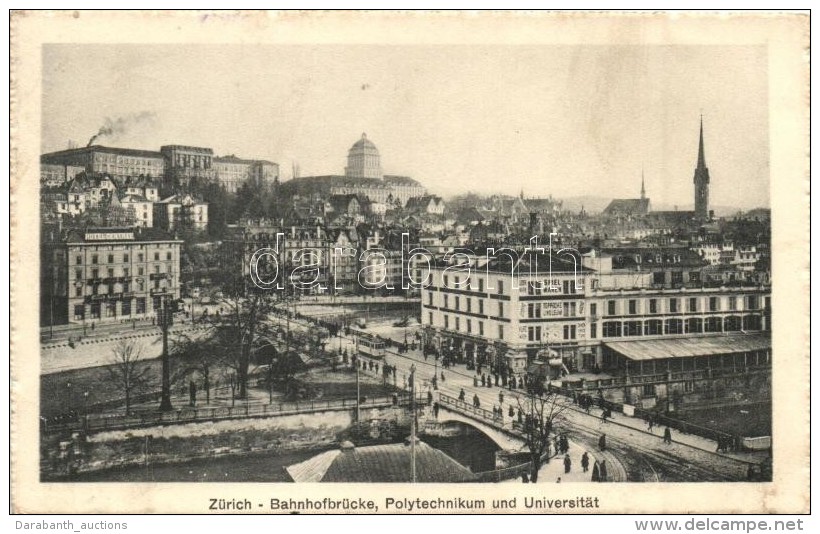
x: 638, y: 109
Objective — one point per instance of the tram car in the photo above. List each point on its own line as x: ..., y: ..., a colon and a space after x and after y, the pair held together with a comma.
x: 370, y: 346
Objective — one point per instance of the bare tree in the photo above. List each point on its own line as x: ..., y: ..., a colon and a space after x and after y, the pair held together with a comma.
x: 129, y: 371
x: 195, y: 354
x: 542, y: 411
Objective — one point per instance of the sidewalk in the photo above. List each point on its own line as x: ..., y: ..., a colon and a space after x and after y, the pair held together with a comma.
x: 552, y: 471
x: 691, y: 440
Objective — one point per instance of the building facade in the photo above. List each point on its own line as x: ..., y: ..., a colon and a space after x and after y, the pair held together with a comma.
x: 107, y: 274
x: 52, y: 175
x: 566, y: 317
x: 181, y: 212
x: 116, y: 162
x: 232, y: 172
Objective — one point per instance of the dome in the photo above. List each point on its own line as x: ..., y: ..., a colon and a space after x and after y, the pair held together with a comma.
x: 363, y: 160
x: 364, y: 142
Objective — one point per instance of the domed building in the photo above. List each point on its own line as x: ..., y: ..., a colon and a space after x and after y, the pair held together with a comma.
x: 363, y: 160
x: 363, y: 177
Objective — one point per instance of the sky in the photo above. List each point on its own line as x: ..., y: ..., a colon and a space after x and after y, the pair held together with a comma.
x: 565, y: 121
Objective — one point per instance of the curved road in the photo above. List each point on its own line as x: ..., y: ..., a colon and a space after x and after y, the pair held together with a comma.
x: 642, y: 456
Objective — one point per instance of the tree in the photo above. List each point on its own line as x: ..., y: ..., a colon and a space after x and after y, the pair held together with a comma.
x: 542, y: 411
x: 195, y: 355
x: 236, y: 331
x: 128, y: 370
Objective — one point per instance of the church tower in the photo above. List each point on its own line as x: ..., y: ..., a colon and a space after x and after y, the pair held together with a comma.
x: 701, y: 182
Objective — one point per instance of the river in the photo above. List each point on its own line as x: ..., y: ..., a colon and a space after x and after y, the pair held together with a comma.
x: 468, y: 446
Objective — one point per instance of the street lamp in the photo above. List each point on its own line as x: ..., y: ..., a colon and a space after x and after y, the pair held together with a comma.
x: 413, y: 421
x: 68, y: 395
x: 85, y: 409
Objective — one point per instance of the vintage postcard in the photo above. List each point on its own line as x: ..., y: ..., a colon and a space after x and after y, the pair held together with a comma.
x: 392, y: 262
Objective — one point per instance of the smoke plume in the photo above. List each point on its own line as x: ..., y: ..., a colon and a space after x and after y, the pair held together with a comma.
x: 114, y: 128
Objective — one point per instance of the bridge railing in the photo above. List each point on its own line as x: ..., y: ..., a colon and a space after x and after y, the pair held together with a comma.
x: 467, y: 408
x: 101, y: 422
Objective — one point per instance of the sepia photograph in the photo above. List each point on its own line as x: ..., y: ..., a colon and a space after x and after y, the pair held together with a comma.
x: 288, y: 259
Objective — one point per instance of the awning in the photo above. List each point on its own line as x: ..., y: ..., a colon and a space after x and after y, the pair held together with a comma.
x: 685, y: 347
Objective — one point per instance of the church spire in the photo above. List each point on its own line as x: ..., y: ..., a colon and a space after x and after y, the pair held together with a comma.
x: 701, y: 155
x: 701, y: 180
x: 643, y: 188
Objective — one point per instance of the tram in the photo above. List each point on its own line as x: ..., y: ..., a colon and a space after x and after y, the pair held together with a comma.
x: 368, y: 345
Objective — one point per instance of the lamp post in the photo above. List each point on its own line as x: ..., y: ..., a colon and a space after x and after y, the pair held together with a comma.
x: 165, y: 321
x: 85, y: 409
x: 413, y: 422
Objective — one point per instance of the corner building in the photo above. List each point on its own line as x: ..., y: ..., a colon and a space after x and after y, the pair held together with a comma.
x: 107, y: 274
x: 506, y: 317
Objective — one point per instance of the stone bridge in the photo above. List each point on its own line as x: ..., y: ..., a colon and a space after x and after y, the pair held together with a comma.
x: 454, y: 410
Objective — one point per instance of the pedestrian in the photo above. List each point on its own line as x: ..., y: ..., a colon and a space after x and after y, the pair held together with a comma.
x: 483, y: 380
x: 603, y: 416
x: 475, y: 381
x: 567, y: 464
x: 667, y: 435
x: 650, y: 421
x: 520, y: 416
x: 442, y: 376
x: 596, y: 472
x: 501, y: 397
x: 429, y: 397
x: 511, y: 412
x: 476, y: 401
x: 602, y: 471
x: 602, y: 442
x: 461, y: 395
x: 435, y: 410
x: 585, y: 461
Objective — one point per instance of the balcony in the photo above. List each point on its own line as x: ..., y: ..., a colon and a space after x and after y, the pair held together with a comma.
x: 158, y: 276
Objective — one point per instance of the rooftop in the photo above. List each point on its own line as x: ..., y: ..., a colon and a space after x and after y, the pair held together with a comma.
x: 685, y: 347
x: 380, y: 463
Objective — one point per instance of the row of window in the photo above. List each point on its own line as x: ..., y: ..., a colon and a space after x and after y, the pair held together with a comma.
x: 126, y: 272
x: 693, y: 325
x: 564, y: 309
x: 568, y: 287
x: 675, y: 305
x: 676, y: 277
x: 109, y: 309
x: 95, y: 258
x: 468, y: 325
x: 79, y: 291
x: 534, y: 333
x: 469, y: 304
